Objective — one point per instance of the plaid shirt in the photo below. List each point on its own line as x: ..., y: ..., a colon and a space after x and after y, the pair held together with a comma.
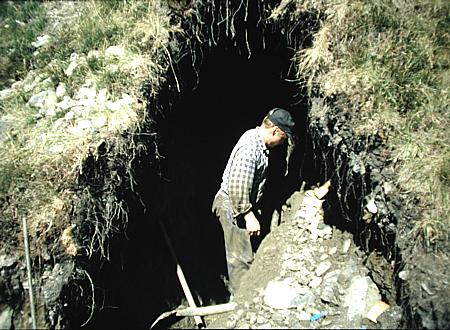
x: 245, y: 174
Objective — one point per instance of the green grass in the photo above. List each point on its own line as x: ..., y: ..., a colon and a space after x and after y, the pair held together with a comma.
x: 21, y: 22
x: 392, y: 59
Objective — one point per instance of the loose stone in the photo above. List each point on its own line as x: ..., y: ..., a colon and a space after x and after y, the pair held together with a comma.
x: 323, y: 268
x: 315, y: 282
x: 346, y: 245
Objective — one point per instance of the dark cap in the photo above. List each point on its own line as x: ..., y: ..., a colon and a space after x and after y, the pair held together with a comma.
x: 283, y: 119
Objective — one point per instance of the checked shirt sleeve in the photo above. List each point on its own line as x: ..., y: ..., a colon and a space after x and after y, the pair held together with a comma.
x: 242, y: 173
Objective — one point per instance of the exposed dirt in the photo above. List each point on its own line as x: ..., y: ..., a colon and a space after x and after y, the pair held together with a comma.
x: 319, y: 263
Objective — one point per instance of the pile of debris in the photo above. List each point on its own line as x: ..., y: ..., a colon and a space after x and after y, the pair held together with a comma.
x: 308, y: 274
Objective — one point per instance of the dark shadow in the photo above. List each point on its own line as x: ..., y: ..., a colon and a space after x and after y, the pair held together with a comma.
x: 197, y: 131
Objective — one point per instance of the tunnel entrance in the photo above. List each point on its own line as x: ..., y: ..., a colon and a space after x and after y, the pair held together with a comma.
x: 228, y: 91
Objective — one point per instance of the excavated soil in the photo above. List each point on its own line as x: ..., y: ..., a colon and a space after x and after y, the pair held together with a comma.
x: 303, y: 271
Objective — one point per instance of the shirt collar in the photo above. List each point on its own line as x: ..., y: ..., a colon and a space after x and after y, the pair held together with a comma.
x: 260, y: 139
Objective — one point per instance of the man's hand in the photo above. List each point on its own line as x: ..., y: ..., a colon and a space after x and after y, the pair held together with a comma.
x: 252, y: 224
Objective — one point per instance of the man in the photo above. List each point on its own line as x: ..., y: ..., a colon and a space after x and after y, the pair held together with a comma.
x: 243, y: 179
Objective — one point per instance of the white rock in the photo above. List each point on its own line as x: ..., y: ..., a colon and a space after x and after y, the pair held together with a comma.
x: 332, y: 250
x: 282, y: 294
x: 73, y: 57
x: 51, y: 112
x: 388, y: 187
x: 90, y: 83
x: 47, y: 83
x: 323, y: 267
x: 84, y: 124
x: 346, y: 245
x: 59, y: 123
x: 311, y: 205
x: 6, y: 318
x: 325, y: 231
x: 38, y: 100
x: 114, y: 51
x: 6, y: 260
x: 101, y: 96
x: 312, y: 310
x: 332, y: 277
x: 51, y: 100
x: 323, y: 257
x: 65, y: 103
x: 251, y: 317
x: 87, y: 103
x: 41, y: 41
x: 69, y: 115
x: 294, y: 265
x: 86, y: 93
x: 347, y: 273
x: 99, y: 121
x: 69, y: 70
x: 78, y: 109
x: 93, y: 54
x: 260, y: 319
x: 31, y: 81
x: 372, y: 207
x: 61, y: 90
x: 126, y: 99
x: 113, y: 106
x: 4, y: 94
x: 315, y: 282
x: 303, y: 316
x: 360, y: 297
x: 328, y: 294
x: 303, y: 276
x: 404, y: 275
x: 313, y: 223
x: 81, y: 126
x: 45, y: 99
x: 112, y: 68
x: 17, y: 84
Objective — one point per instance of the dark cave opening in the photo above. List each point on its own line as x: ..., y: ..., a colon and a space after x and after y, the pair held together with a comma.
x: 197, y: 133
x: 197, y: 130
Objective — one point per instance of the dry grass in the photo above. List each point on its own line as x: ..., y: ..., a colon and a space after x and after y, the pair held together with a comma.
x: 391, y: 58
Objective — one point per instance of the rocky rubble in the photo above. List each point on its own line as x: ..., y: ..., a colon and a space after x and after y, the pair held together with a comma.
x: 84, y: 111
x: 307, y: 274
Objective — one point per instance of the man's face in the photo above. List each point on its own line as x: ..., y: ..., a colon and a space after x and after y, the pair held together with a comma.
x: 276, y: 138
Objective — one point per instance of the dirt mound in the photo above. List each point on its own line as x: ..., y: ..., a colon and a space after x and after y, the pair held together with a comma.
x: 304, y: 276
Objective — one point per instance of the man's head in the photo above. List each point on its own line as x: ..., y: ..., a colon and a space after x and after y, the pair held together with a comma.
x: 278, y: 126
